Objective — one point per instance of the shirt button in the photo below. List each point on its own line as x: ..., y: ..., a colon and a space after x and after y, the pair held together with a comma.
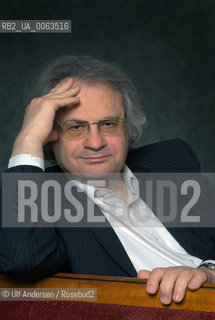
x: 191, y: 260
x: 156, y: 238
x: 99, y: 193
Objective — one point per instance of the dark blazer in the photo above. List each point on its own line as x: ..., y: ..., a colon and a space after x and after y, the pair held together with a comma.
x: 37, y: 252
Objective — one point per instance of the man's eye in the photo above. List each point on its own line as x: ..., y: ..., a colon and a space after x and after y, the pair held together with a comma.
x: 76, y: 127
x: 108, y: 124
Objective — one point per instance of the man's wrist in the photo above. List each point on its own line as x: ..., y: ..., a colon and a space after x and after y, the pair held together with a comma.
x: 208, y: 265
x: 209, y: 269
x: 210, y: 274
x: 25, y: 144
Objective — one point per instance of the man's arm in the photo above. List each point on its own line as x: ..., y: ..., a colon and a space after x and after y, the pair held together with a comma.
x: 36, y: 252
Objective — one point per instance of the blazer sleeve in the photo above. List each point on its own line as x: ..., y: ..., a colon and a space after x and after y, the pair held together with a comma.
x: 29, y: 252
x: 211, y: 254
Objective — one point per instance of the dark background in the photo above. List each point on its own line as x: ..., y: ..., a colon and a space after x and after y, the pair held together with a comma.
x: 166, y: 47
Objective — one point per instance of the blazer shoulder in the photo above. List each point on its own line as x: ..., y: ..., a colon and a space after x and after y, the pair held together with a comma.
x: 166, y: 156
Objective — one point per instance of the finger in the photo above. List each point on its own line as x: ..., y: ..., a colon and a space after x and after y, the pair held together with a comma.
x: 143, y: 274
x: 154, y: 280
x: 199, y: 278
x: 181, y: 284
x: 66, y: 102
x: 67, y: 93
x: 57, y: 85
x: 167, y: 285
x: 63, y: 85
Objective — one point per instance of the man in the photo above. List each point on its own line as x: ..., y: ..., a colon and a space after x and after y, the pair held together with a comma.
x: 88, y: 115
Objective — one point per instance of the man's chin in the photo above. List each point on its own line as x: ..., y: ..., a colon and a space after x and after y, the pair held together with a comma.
x: 86, y: 176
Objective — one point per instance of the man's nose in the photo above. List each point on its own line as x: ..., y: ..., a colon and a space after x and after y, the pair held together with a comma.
x: 94, y: 140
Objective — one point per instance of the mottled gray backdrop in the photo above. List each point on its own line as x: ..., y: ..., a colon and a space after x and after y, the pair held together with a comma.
x: 165, y: 46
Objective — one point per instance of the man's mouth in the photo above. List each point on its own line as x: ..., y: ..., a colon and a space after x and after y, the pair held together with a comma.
x: 95, y: 159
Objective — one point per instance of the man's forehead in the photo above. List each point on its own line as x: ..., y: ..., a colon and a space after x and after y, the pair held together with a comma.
x: 96, y: 102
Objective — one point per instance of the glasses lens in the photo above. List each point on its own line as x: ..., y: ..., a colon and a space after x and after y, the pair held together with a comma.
x: 76, y: 129
x: 110, y: 126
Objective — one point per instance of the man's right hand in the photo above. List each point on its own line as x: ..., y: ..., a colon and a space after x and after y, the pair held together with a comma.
x: 37, y: 129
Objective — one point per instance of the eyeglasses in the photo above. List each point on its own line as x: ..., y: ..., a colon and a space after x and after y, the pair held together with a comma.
x: 76, y: 129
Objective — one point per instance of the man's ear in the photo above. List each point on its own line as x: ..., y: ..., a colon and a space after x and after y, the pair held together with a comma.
x: 53, y: 137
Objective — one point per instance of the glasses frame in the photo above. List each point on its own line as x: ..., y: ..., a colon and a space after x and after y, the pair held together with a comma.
x: 62, y: 125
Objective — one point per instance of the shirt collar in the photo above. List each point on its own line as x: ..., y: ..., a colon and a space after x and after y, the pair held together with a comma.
x: 97, y: 188
x: 130, y: 181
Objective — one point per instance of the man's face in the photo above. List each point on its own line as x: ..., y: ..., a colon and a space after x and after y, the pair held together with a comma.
x: 95, y: 155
